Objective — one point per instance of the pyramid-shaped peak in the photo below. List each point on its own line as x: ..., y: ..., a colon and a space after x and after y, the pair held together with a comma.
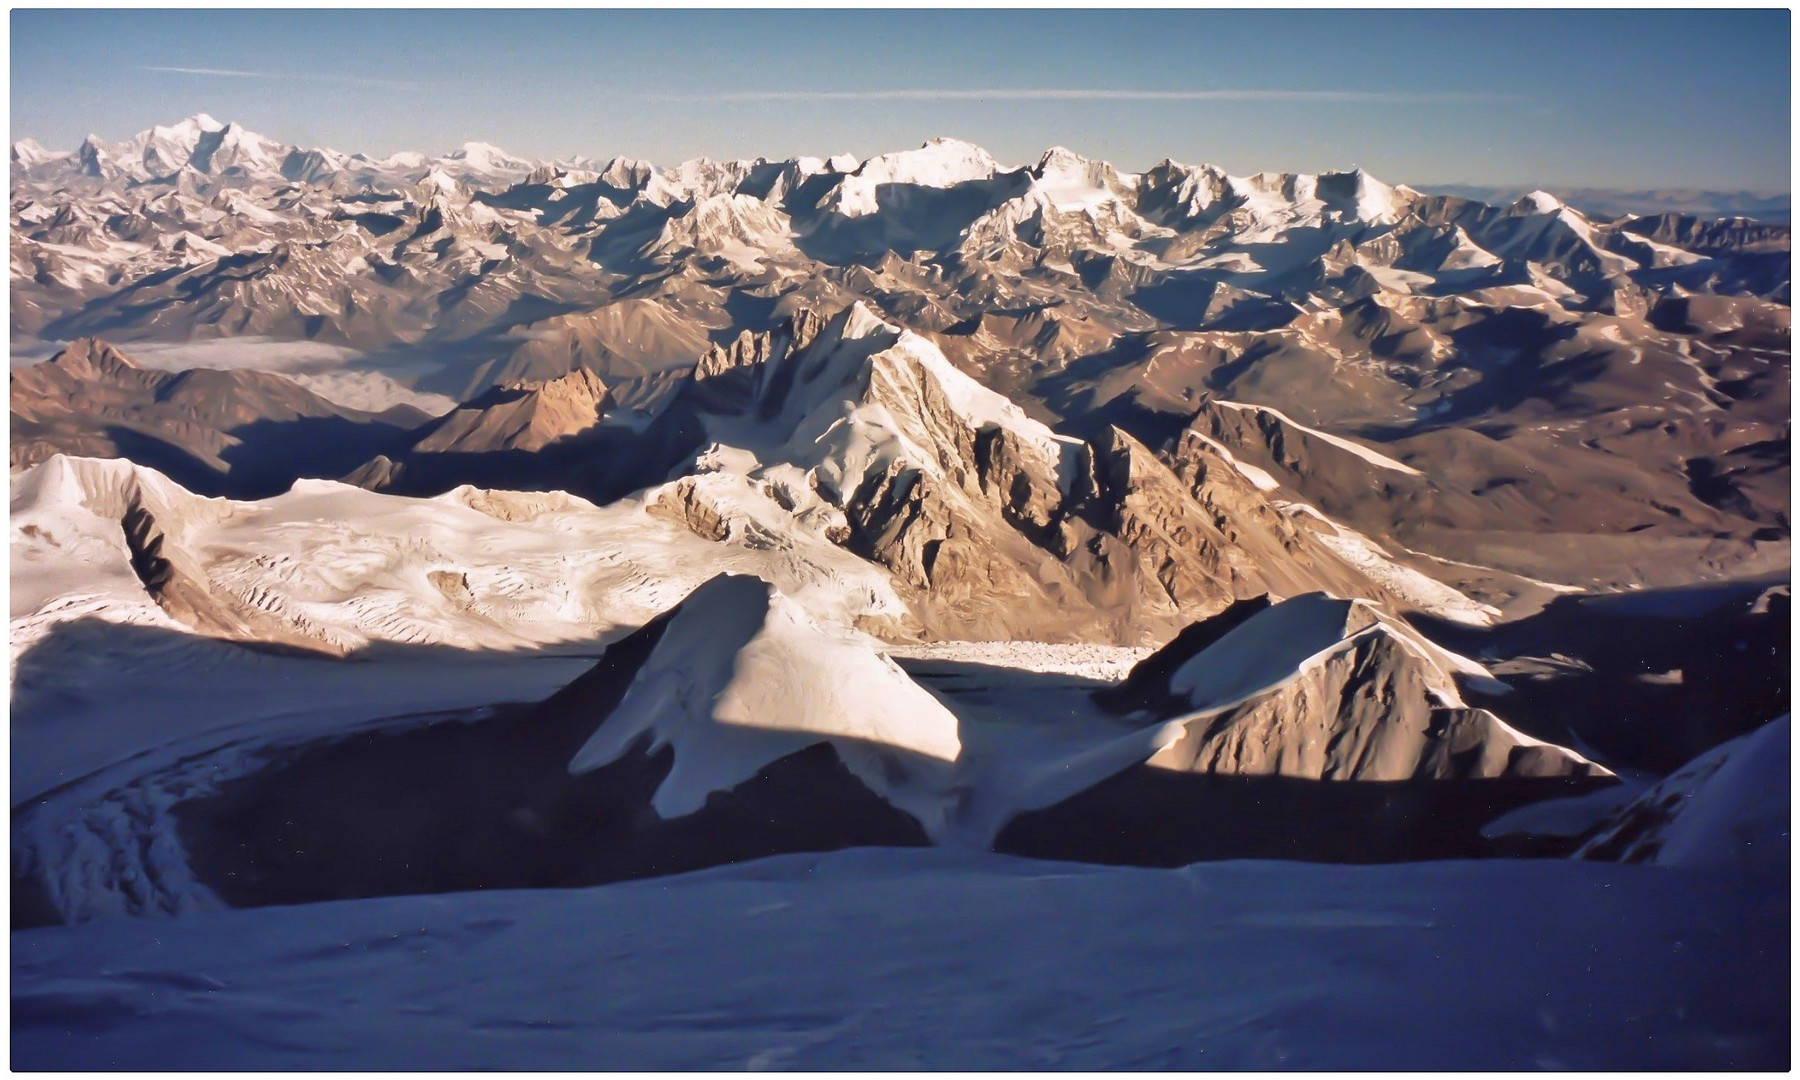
x: 88, y: 357
x: 1537, y: 202
x: 743, y: 676
x: 859, y: 320
x: 579, y: 386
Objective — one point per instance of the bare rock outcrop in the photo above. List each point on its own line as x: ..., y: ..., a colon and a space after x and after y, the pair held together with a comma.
x: 726, y: 377
x: 998, y: 525
x: 683, y: 503
x: 229, y: 432
x: 1368, y: 712
x: 527, y: 415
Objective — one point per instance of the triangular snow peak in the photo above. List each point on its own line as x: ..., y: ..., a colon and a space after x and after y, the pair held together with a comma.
x: 742, y: 677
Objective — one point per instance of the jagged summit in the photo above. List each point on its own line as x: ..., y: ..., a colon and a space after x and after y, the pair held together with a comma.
x: 1102, y: 306
x: 91, y: 356
x: 522, y: 415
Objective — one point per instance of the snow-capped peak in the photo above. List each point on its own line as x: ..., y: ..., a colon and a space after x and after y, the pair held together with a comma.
x: 627, y: 173
x: 193, y: 125
x: 436, y: 182
x: 1536, y: 202
x: 404, y: 159
x: 743, y: 676
x: 27, y: 153
x: 1073, y: 182
x: 1360, y: 196
x: 868, y: 394
x: 738, y: 227
x: 1174, y: 193
x: 241, y: 148
x: 939, y: 163
x: 487, y: 157
x: 1060, y: 157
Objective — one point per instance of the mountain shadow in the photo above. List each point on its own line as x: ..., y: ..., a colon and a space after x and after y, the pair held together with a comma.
x: 1649, y: 680
x: 490, y: 804
x: 1148, y: 816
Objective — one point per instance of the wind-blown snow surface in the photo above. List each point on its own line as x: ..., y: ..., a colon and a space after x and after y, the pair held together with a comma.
x: 1264, y: 652
x: 1727, y: 809
x: 945, y: 958
x: 930, y: 959
x: 1104, y: 663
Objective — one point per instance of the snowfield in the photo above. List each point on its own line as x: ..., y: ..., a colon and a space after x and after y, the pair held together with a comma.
x: 933, y: 959
x: 464, y: 600
x: 513, y: 569
x: 1102, y: 663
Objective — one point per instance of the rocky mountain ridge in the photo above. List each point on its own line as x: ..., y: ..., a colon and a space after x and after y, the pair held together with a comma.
x: 1511, y: 353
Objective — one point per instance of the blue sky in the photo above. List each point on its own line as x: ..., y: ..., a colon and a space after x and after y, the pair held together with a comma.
x: 1616, y: 98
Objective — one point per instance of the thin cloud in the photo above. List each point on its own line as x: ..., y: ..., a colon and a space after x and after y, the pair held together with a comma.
x: 281, y: 76
x: 1341, y: 97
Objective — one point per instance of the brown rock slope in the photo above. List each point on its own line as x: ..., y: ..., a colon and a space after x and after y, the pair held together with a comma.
x: 242, y: 433
x: 995, y: 525
x: 1309, y: 711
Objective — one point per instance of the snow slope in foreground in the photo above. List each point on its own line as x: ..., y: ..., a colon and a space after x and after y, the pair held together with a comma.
x: 930, y: 959
x: 1729, y: 808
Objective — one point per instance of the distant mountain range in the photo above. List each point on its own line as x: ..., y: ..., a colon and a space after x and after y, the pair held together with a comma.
x: 590, y: 317
x: 1608, y: 203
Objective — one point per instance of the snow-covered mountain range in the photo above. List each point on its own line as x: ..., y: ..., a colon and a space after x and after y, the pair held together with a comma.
x: 463, y: 523
x: 1084, y: 293
x: 202, y: 229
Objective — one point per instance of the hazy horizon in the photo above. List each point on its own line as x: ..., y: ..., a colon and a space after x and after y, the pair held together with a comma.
x: 1578, y: 99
